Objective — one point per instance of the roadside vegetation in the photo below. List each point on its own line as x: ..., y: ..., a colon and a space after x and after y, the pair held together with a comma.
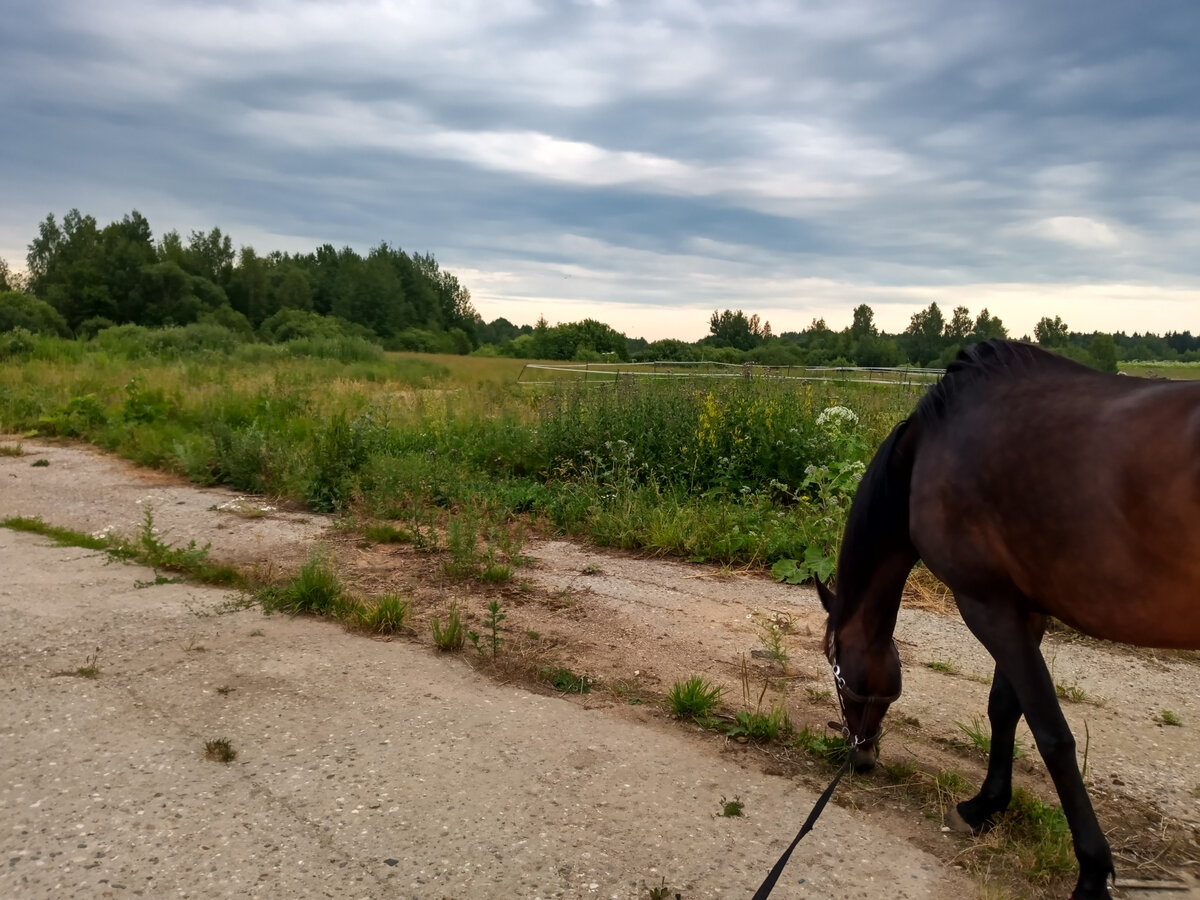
x: 449, y: 452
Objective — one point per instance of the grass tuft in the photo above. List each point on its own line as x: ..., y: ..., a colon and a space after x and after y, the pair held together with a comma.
x: 694, y: 698
x: 315, y: 590
x: 219, y: 750
x: 387, y: 615
x: 448, y: 639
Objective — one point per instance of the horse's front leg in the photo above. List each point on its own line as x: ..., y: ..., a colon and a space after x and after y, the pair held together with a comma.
x: 1004, y: 711
x: 1011, y: 635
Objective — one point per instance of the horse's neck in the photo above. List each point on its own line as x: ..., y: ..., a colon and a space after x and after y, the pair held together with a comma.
x: 873, y: 616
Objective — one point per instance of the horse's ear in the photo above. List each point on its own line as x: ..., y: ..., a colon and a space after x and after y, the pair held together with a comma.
x: 825, y: 594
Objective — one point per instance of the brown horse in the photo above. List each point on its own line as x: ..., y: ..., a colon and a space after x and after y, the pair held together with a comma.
x: 1032, y: 487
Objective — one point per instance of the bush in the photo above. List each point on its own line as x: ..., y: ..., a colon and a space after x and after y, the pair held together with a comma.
x: 19, y: 310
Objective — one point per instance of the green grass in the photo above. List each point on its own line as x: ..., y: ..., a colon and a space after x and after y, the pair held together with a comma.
x: 146, y: 548
x: 978, y: 736
x: 565, y: 681
x: 731, y: 809
x: 734, y: 471
x: 693, y: 699
x: 448, y: 638
x: 386, y: 615
x: 315, y: 590
x: 66, y: 537
x: 1166, y: 717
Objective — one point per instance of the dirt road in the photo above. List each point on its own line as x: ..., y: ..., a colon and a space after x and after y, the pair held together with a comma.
x: 380, y: 769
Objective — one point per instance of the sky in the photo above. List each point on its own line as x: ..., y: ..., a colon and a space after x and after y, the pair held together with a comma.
x: 643, y: 163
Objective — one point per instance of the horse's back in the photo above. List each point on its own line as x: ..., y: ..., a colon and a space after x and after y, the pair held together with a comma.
x: 1077, y: 491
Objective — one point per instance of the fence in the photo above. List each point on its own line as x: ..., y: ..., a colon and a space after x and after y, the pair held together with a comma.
x: 605, y: 373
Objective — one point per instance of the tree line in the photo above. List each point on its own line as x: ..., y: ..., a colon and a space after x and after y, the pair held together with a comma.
x: 82, y: 278
x: 85, y: 278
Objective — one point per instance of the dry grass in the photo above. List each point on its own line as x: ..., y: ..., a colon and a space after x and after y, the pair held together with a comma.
x: 925, y: 592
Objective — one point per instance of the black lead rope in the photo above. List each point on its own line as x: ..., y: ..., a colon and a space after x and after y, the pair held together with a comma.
x: 768, y: 884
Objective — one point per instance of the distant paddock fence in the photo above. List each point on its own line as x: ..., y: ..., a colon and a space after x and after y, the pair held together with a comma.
x: 607, y: 373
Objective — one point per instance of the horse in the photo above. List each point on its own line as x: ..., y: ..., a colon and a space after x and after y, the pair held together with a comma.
x: 1031, y: 486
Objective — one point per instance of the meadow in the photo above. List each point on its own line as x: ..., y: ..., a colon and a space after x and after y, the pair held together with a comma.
x: 744, y: 471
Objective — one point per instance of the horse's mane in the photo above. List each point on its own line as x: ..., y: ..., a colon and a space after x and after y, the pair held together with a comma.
x: 878, y: 518
x: 983, y: 362
x: 878, y: 521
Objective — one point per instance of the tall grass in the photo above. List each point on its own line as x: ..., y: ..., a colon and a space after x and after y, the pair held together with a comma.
x: 736, y: 470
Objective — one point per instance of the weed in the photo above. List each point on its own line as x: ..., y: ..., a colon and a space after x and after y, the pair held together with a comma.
x: 770, y: 636
x: 565, y: 681
x: 11, y: 450
x: 944, y: 666
x: 979, y: 736
x: 462, y: 540
x: 661, y: 892
x: 821, y: 744
x: 818, y: 695
x: 63, y: 536
x: 315, y: 590
x: 901, y: 771
x: 1038, y: 833
x: 450, y: 638
x: 91, y: 666
x: 383, y: 533
x: 591, y: 569
x: 760, y: 726
x: 1073, y: 693
x: 1166, y: 717
x: 732, y: 808
x: 492, y: 623
x: 694, y: 698
x: 386, y: 615
x: 219, y: 750
x: 257, y: 632
x: 952, y: 783
x: 40, y: 463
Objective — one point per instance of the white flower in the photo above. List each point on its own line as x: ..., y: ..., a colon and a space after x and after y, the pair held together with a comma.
x: 837, y: 418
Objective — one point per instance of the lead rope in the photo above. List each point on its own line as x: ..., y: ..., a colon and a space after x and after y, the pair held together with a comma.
x: 768, y: 884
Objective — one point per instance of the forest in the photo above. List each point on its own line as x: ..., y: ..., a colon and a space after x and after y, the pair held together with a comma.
x: 81, y: 278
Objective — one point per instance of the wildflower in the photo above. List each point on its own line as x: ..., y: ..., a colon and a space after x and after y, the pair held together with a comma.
x: 837, y: 418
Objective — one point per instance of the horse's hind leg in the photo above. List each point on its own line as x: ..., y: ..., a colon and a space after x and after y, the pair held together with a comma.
x: 1012, y: 634
x: 1004, y: 711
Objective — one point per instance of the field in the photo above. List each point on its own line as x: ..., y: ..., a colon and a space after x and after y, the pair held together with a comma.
x: 744, y: 471
x: 452, y: 490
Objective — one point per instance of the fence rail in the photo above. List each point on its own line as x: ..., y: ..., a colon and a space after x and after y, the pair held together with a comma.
x: 606, y: 373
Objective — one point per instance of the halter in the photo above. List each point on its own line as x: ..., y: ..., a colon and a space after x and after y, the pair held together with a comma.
x: 845, y: 692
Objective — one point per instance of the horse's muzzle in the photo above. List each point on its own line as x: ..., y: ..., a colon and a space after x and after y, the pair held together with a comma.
x: 864, y: 757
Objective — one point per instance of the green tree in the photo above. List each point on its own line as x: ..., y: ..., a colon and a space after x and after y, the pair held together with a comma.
x: 210, y: 256
x: 293, y: 291
x: 1051, y: 332
x: 925, y: 335
x: 10, y: 280
x: 988, y: 327
x: 1104, y: 351
x: 959, y: 328
x: 864, y: 322
x: 731, y: 328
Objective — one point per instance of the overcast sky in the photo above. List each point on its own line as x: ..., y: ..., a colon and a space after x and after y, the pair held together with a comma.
x: 643, y: 163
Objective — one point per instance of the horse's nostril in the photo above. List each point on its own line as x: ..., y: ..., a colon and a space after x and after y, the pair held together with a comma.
x: 864, y: 760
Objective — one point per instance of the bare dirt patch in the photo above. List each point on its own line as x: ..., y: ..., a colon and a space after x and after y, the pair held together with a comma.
x: 378, y: 768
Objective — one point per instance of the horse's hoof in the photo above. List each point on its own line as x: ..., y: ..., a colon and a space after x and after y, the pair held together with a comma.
x: 955, y: 822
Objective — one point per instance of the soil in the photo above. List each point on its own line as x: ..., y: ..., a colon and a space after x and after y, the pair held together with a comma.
x: 380, y: 768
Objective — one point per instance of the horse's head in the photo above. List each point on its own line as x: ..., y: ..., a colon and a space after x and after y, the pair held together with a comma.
x: 867, y: 679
